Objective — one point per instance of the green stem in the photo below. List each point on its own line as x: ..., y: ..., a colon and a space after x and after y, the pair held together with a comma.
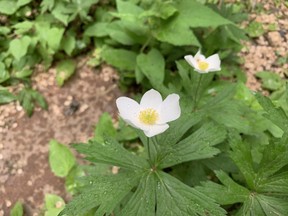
x: 196, y: 92
x: 148, y: 146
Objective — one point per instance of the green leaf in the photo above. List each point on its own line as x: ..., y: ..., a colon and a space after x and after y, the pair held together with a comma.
x: 17, y: 210
x: 130, y: 17
x: 175, y: 198
x: 226, y: 194
x: 19, y: 47
x: 54, y: 37
x: 6, y: 97
x: 102, y: 191
x: 39, y: 99
x: 176, y: 30
x: 65, y: 69
x: 72, y: 184
x: 110, y: 152
x: 53, y: 204
x: 47, y: 5
x: 120, y: 58
x: 104, y: 128
x: 162, y: 10
x: 23, y: 27
x: 197, y: 146
x: 142, y: 203
x: 270, y: 80
x: 178, y: 128
x: 20, y: 3
x: 255, y: 29
x: 259, y: 204
x: 8, y: 7
x: 52, y: 201
x: 23, y: 73
x: 61, y: 159
x: 276, y: 115
x: 4, y: 74
x: 152, y: 65
x: 68, y: 43
x: 97, y: 30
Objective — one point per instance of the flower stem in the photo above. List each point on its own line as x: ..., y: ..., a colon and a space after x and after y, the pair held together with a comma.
x: 148, y: 146
x: 196, y: 92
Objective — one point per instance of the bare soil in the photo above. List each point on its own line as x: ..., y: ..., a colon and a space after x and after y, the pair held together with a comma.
x: 73, y: 111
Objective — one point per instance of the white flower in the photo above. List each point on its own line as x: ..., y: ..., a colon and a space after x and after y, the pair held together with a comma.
x: 203, y: 65
x: 152, y: 114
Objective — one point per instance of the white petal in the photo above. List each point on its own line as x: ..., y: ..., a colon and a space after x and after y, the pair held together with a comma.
x: 156, y: 129
x: 128, y: 109
x: 170, y: 109
x: 191, y: 61
x: 214, y: 62
x: 151, y: 99
x: 199, y: 56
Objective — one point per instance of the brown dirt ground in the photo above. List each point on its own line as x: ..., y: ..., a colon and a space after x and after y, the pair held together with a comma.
x: 24, y: 170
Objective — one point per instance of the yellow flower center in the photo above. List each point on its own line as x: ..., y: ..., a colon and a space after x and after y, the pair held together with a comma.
x: 148, y: 116
x: 203, y: 65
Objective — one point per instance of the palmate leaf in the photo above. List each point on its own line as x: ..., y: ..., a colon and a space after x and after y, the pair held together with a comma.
x: 110, y: 152
x: 104, y: 192
x: 258, y: 204
x: 276, y: 115
x: 197, y: 146
x: 228, y: 193
x: 160, y: 194
x: 177, y: 199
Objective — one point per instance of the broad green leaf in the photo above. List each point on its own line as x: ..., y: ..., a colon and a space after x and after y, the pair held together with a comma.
x: 118, y: 33
x: 104, y: 128
x: 4, y: 30
x: 54, y: 37
x: 177, y: 199
x: 53, y: 201
x: 103, y: 191
x: 176, y: 30
x: 23, y: 73
x: 197, y: 146
x: 110, y: 152
x: 8, y: 7
x: 19, y: 47
x: 270, y: 80
x: 61, y: 159
x: 22, y: 27
x: 65, y: 69
x: 129, y: 14
x: 53, y: 212
x: 162, y: 10
x: 120, y: 58
x: 47, y: 5
x: 228, y: 193
x: 68, y: 43
x: 4, y: 74
x: 97, y: 30
x: 20, y: 3
x: 17, y: 210
x: 6, y: 97
x: 152, y: 65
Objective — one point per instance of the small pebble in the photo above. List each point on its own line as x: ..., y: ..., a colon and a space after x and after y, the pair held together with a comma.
x: 8, y: 203
x: 1, y: 156
x: 19, y: 171
x: 29, y: 183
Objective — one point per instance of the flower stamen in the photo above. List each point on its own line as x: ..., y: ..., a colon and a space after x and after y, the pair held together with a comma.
x: 203, y: 65
x: 148, y: 116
